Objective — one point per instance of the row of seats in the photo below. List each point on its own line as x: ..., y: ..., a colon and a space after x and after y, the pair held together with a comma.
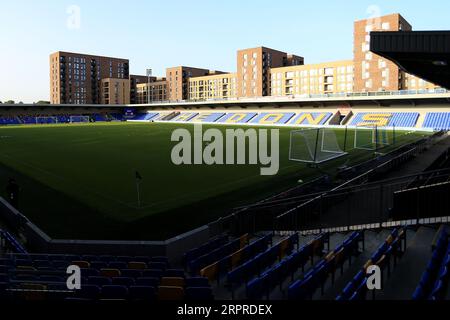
x: 204, y: 249
x: 278, y: 118
x: 145, y: 116
x: 261, y: 285
x: 316, y: 277
x: 434, y: 281
x: 433, y: 120
x: 10, y: 243
x: 205, y: 260
x: 260, y: 262
x: 88, y: 292
x: 437, y: 121
x: 57, y: 118
x: 394, y: 246
x: 14, y: 258
x: 230, y: 262
x: 385, y: 119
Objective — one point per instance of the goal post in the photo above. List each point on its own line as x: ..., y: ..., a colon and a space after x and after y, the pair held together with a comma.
x: 79, y: 119
x: 315, y: 145
x: 373, y: 137
x: 46, y: 120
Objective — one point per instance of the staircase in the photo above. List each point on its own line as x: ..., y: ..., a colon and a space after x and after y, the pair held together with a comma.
x: 170, y: 116
x: 407, y: 274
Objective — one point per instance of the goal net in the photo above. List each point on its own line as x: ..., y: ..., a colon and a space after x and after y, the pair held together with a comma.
x: 372, y: 137
x: 46, y: 120
x: 316, y: 145
x: 77, y: 119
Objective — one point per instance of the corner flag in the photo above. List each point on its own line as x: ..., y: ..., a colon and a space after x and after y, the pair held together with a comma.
x: 138, y: 183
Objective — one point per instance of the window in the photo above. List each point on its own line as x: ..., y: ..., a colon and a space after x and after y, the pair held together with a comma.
x: 329, y: 71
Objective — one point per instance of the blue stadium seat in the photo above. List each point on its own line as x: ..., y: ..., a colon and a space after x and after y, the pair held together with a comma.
x: 89, y: 272
x: 99, y: 280
x: 386, y: 119
x: 131, y: 273
x: 123, y: 281
x: 89, y: 291
x: 174, y: 273
x: 142, y: 293
x: 437, y: 121
x: 114, y: 292
x: 49, y: 278
x: 156, y: 273
x: 148, y: 281
x: 199, y: 294
x: 99, y: 265
x: 197, y: 282
x: 117, y: 265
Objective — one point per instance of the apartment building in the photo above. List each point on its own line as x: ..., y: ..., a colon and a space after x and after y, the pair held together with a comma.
x: 178, y: 81
x: 114, y: 91
x: 214, y: 86
x: 373, y: 72
x: 253, y: 69
x: 312, y: 79
x: 76, y: 78
x: 155, y: 91
x: 134, y: 81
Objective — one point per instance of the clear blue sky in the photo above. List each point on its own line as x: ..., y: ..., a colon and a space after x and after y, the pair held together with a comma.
x: 200, y: 33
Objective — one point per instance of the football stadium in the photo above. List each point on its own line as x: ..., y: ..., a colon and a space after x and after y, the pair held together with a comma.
x: 335, y: 195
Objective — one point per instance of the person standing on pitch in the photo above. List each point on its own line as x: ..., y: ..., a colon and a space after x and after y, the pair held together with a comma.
x: 12, y: 191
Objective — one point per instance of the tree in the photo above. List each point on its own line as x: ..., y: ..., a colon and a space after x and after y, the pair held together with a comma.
x: 42, y: 102
x: 9, y: 102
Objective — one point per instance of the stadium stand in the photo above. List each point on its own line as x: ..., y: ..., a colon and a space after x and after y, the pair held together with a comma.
x: 434, y: 281
x: 397, y: 119
x: 393, y: 247
x: 287, y: 268
x: 144, y: 116
x: 304, y: 288
x: 219, y: 268
x: 431, y: 120
x: 437, y: 121
x: 313, y: 118
x: 272, y: 118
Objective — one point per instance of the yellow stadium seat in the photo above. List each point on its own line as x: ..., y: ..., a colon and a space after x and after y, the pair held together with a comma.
x: 26, y: 268
x: 82, y: 264
x: 244, y: 240
x: 172, y: 282
x: 367, y: 265
x: 389, y: 240
x: 284, y: 245
x: 236, y: 258
x: 137, y: 265
x: 33, y: 292
x: 170, y: 293
x: 110, y: 273
x: 210, y: 271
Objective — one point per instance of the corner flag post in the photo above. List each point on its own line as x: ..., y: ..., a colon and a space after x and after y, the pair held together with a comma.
x: 138, y: 187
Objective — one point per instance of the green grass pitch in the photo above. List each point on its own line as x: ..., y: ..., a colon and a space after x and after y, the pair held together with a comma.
x: 78, y: 181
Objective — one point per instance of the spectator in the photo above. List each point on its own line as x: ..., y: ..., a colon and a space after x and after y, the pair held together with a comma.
x: 12, y: 191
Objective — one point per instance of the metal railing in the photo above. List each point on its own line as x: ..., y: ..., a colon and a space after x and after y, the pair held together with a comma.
x: 311, y: 96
